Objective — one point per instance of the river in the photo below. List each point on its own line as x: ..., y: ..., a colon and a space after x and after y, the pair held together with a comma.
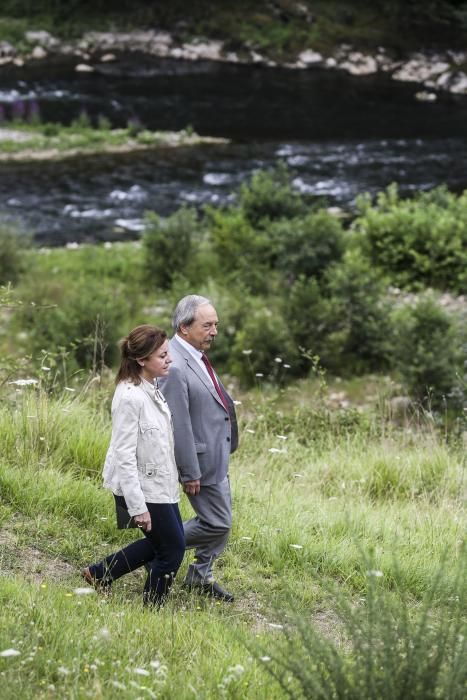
x: 339, y: 135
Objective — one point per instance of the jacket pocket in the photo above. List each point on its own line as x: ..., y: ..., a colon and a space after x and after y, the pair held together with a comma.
x: 154, y: 469
x: 146, y: 427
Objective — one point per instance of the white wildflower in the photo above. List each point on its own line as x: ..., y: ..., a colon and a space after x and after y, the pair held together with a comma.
x: 296, y: 546
x: 275, y: 626
x: 63, y: 670
x: 68, y: 388
x: 237, y: 403
x: 247, y: 352
x: 72, y: 246
x: 265, y: 658
x: 281, y: 437
x: 24, y: 382
x: 45, y: 369
x: 10, y: 652
x: 259, y: 374
x: 374, y: 572
x: 246, y: 539
x: 297, y: 475
x: 141, y: 672
x: 278, y: 360
x: 276, y: 450
x: 118, y: 685
x: 286, y: 366
x: 249, y: 430
x: 83, y: 591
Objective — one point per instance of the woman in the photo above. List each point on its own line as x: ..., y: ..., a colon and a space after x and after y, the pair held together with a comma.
x: 140, y: 468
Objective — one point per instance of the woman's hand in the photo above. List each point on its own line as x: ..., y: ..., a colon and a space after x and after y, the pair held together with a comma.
x: 143, y: 521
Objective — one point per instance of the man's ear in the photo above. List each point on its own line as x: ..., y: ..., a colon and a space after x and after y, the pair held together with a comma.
x: 183, y: 329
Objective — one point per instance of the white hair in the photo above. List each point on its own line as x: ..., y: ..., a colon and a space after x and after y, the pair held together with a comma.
x: 186, y: 309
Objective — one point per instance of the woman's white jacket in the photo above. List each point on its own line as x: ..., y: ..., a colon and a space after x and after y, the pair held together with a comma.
x: 140, y: 462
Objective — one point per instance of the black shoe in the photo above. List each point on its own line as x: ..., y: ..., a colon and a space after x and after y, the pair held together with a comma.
x: 103, y: 585
x: 210, y: 588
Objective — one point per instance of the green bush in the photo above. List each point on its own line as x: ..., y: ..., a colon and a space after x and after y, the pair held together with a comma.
x: 263, y: 348
x: 83, y: 121
x: 427, y: 351
x: 420, y: 241
x: 78, y: 323
x: 306, y: 245
x: 243, y: 253
x: 385, y: 650
x: 12, y: 259
x: 359, y: 327
x: 269, y: 196
x: 51, y: 129
x: 168, y: 245
x: 310, y: 318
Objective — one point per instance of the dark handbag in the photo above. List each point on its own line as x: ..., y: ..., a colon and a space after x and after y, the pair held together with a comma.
x: 124, y: 519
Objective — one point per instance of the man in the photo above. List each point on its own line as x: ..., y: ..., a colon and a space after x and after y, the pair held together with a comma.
x: 205, y: 430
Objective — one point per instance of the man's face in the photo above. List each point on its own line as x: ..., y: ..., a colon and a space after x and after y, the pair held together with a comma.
x: 203, y: 330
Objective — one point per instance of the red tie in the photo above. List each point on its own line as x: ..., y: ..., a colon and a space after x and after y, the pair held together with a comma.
x: 210, y: 370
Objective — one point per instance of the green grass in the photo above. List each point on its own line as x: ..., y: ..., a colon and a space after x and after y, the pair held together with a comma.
x: 112, y: 262
x: 53, y: 140
x: 304, y: 517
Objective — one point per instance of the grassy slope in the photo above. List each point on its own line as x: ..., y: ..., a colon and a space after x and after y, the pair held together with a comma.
x: 399, y: 495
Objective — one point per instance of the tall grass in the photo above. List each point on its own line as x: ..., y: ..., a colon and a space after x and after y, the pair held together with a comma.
x: 305, y: 510
x: 386, y: 651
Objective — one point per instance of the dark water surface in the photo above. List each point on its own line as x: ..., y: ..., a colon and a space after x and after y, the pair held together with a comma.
x: 340, y: 136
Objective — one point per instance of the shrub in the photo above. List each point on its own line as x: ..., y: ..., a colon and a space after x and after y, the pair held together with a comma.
x: 80, y: 323
x: 12, y: 260
x: 309, y: 314
x: 263, y: 345
x: 385, y: 651
x: 420, y: 241
x: 51, y: 129
x: 168, y: 245
x: 359, y: 321
x: 244, y: 254
x: 427, y: 352
x: 307, y: 245
x: 103, y: 123
x: 269, y: 196
x: 83, y: 121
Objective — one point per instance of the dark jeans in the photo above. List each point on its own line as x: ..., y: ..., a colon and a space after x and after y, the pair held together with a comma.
x: 162, y: 549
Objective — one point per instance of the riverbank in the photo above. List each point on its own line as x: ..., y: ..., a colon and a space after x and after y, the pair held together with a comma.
x: 361, y: 42
x: 21, y: 142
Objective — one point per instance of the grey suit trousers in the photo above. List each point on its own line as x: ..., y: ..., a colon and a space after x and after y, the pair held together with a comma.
x: 209, y: 530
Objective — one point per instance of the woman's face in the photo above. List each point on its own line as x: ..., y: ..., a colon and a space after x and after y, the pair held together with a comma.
x: 157, y: 364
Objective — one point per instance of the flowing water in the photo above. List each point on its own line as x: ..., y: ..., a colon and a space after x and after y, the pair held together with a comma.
x: 340, y: 136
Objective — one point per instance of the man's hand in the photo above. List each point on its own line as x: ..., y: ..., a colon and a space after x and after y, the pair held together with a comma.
x: 143, y: 520
x: 192, y: 487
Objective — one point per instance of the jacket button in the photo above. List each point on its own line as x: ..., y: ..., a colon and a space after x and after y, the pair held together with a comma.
x: 228, y: 439
x: 226, y: 418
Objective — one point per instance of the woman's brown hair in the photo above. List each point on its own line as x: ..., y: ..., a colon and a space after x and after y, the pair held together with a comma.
x: 141, y: 342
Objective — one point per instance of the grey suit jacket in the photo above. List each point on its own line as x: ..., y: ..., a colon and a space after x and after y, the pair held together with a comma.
x: 205, y: 435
